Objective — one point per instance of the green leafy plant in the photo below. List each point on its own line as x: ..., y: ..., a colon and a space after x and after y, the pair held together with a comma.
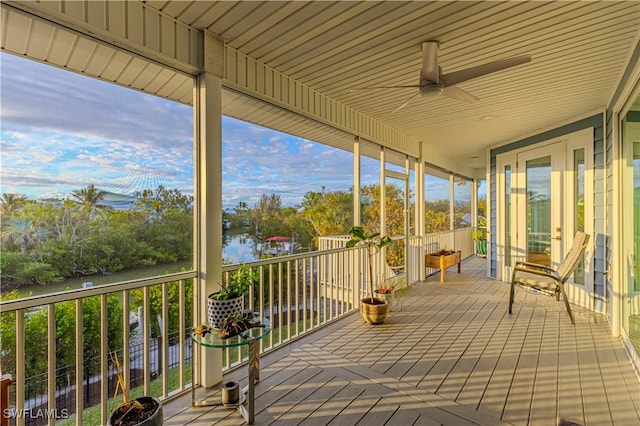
x: 479, y: 234
x: 373, y: 243
x: 239, y: 282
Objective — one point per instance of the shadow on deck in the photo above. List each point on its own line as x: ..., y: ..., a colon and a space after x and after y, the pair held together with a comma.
x: 449, y: 355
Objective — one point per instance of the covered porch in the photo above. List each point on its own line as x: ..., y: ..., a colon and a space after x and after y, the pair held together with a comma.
x: 450, y: 354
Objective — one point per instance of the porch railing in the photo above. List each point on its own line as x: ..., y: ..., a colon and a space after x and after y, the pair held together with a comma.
x: 147, y: 322
x: 71, y: 334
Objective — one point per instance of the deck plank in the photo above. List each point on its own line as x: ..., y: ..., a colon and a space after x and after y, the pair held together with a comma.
x: 497, y: 390
x: 618, y: 394
x: 593, y: 391
x: 570, y: 402
x: 456, y: 341
x: 461, y: 373
x: 544, y: 407
x: 519, y: 395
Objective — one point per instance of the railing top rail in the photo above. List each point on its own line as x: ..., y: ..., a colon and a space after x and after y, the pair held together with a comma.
x: 285, y: 258
x: 81, y: 293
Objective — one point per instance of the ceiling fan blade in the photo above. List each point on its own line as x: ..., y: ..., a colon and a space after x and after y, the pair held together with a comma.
x: 430, y: 62
x: 459, y: 94
x: 474, y: 72
x: 406, y: 102
x: 360, y: 89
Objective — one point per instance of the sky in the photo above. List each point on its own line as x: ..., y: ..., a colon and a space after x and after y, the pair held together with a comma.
x: 61, y: 131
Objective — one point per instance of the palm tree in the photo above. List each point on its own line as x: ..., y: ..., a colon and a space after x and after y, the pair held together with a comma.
x: 22, y: 233
x: 10, y: 203
x: 89, y: 197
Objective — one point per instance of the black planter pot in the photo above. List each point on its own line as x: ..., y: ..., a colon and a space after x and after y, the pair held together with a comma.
x: 118, y: 416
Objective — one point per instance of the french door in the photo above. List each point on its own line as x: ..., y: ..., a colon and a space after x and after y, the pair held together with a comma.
x: 545, y: 195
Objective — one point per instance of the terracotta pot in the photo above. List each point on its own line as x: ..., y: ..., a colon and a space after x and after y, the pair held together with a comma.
x: 373, y: 313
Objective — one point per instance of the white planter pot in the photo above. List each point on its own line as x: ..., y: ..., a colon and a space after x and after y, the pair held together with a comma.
x: 389, y: 298
x: 218, y: 311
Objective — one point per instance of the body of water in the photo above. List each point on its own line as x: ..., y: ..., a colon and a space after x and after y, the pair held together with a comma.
x: 239, y: 248
x: 236, y: 249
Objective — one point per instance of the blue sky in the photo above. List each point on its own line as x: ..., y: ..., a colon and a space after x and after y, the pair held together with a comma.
x: 61, y: 131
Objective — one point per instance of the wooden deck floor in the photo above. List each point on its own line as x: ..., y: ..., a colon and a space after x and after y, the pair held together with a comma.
x: 451, y: 355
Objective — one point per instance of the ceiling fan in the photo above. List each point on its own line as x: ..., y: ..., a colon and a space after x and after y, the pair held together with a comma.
x: 434, y: 83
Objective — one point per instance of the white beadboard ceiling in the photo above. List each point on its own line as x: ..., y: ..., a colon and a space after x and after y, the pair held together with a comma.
x: 579, y: 50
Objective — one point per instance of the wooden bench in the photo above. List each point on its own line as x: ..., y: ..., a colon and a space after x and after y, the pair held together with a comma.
x: 441, y: 261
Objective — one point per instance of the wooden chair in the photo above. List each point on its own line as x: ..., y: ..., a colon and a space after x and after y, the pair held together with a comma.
x: 546, y: 280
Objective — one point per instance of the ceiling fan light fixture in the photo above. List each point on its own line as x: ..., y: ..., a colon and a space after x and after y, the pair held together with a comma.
x: 431, y: 90
x: 434, y: 83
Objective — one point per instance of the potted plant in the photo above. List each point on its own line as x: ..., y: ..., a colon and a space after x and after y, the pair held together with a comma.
x: 479, y: 235
x: 374, y: 311
x: 229, y: 300
x: 141, y: 411
x: 386, y: 291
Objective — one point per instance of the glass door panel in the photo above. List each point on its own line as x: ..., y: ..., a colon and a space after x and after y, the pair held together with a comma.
x: 508, y: 219
x: 631, y: 296
x: 540, y: 205
x: 506, y: 225
x: 538, y: 210
x: 578, y: 206
x: 578, y: 214
x: 636, y: 217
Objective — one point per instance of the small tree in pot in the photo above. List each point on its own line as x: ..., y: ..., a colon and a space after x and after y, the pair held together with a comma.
x: 373, y: 310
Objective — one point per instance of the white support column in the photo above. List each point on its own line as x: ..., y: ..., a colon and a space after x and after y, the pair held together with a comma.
x: 420, y: 199
x: 474, y: 202
x: 451, y: 202
x: 420, y: 213
x: 383, y: 194
x: 208, y: 123
x: 356, y: 180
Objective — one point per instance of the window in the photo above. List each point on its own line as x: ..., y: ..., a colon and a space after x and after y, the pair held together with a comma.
x: 462, y: 192
x: 91, y: 191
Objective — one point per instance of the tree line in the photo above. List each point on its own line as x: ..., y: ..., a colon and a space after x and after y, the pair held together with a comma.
x: 45, y: 242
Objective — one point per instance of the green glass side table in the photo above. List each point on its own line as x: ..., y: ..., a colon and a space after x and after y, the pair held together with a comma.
x: 249, y: 338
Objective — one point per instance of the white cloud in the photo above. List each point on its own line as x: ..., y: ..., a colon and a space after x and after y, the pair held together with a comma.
x: 56, y: 137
